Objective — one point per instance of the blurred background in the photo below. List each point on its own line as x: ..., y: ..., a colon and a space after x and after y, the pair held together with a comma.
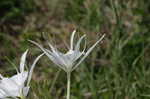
x: 118, y: 68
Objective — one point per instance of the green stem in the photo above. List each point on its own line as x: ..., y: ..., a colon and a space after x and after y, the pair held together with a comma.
x: 68, y: 85
x: 23, y: 97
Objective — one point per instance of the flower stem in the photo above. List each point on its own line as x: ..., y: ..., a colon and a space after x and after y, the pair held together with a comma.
x: 68, y: 85
x: 23, y: 97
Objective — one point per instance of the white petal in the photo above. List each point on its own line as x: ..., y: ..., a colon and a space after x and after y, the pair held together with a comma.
x: 38, y: 45
x: 32, y: 67
x: 78, y: 43
x: 9, y: 87
x: 71, y: 40
x: 20, y: 79
x: 23, y: 59
x: 8, y: 84
x: 3, y: 94
x: 88, y: 52
x: 46, y: 51
x: 1, y: 77
x: 61, y: 57
x: 54, y: 56
x: 56, y: 60
x: 58, y: 56
x: 25, y: 91
x: 12, y: 87
x: 52, y: 48
x: 49, y: 53
x: 72, y: 56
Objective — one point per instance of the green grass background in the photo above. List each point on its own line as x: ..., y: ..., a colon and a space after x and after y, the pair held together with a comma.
x: 118, y: 68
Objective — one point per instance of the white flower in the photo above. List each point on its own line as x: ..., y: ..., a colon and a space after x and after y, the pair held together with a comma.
x: 17, y: 85
x: 70, y: 60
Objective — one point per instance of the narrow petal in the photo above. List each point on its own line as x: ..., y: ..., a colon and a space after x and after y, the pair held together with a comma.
x: 25, y: 91
x: 50, y: 54
x: 32, y: 67
x: 57, y: 54
x: 43, y: 49
x: 38, y: 45
x: 71, y: 40
x: 78, y: 43
x: 88, y: 52
x: 1, y: 77
x: 23, y: 59
x: 52, y: 48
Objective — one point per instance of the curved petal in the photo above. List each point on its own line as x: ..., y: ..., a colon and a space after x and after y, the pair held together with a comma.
x: 88, y: 52
x: 71, y: 40
x: 32, y: 67
x: 52, y: 48
x: 22, y: 62
x: 53, y: 56
x: 46, y: 51
x: 38, y: 45
x: 77, y: 47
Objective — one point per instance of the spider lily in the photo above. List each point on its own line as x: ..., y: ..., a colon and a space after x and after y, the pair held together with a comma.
x: 17, y: 86
x: 68, y: 61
